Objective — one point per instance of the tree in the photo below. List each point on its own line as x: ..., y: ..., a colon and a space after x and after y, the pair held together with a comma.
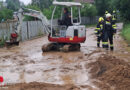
x: 6, y: 14
x: 124, y: 8
x: 102, y: 6
x: 13, y: 4
x: 42, y: 3
x: 89, y: 10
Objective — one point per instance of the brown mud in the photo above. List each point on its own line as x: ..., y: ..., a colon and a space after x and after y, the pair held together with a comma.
x: 27, y: 68
x: 43, y: 86
x: 112, y: 72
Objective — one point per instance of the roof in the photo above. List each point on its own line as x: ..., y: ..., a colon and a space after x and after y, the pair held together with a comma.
x: 86, y: 1
x: 67, y: 3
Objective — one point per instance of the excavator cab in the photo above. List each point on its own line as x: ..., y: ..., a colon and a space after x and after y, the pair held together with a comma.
x: 64, y: 36
x: 67, y: 32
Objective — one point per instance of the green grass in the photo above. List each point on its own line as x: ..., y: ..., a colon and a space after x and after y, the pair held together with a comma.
x: 2, y: 42
x: 126, y: 32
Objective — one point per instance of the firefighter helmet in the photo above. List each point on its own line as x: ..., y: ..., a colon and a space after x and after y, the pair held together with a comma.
x: 114, y: 11
x: 108, y: 15
x: 106, y: 12
x: 101, y: 19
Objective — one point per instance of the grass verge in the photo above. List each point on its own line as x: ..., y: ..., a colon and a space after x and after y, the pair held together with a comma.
x: 2, y: 43
x: 126, y: 32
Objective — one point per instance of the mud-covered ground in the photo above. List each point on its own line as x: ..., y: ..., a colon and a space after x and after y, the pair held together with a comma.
x: 27, y: 68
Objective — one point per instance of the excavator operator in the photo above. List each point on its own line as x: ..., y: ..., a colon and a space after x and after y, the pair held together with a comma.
x: 66, y: 19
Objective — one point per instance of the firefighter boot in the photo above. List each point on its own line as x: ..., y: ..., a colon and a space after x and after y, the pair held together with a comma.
x: 111, y: 48
x: 98, y: 45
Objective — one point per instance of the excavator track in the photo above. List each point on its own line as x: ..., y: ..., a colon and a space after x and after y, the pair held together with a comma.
x: 66, y: 48
x: 9, y: 44
x: 71, y: 47
x: 59, y: 47
x: 50, y: 47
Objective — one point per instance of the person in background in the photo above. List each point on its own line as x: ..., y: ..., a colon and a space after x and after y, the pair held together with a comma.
x: 106, y: 12
x: 114, y: 17
x: 108, y: 31
x: 98, y: 30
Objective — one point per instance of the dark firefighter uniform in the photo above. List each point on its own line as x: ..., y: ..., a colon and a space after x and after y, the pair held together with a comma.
x: 66, y: 18
x: 98, y: 31
x: 108, y: 31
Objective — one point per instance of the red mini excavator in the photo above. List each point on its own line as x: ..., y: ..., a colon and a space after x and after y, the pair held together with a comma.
x: 62, y: 37
x: 66, y: 38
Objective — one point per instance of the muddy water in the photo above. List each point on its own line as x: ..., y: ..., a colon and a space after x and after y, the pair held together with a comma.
x: 27, y: 63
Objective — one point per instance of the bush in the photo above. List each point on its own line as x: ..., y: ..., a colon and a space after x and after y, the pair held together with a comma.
x: 6, y: 14
x: 48, y: 12
x: 126, y: 32
x: 102, y: 6
x: 2, y: 41
x: 89, y: 10
x: 124, y: 8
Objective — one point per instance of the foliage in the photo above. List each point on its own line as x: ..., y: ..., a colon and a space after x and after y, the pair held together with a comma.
x: 124, y: 8
x: 102, y: 6
x: 48, y: 12
x: 2, y: 42
x: 89, y: 10
x: 46, y: 7
x: 126, y: 32
x: 6, y: 14
x: 42, y: 3
x: 13, y: 4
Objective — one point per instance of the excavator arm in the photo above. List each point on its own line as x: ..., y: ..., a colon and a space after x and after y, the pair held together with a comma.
x: 32, y: 13
x: 15, y: 36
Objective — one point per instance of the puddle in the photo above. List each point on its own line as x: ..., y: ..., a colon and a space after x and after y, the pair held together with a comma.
x: 31, y: 65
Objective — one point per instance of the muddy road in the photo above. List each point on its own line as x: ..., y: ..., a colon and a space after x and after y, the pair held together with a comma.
x: 26, y: 68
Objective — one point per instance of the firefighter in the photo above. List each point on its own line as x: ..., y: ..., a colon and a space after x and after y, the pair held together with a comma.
x: 106, y: 12
x: 114, y: 17
x: 108, y: 31
x: 98, y: 30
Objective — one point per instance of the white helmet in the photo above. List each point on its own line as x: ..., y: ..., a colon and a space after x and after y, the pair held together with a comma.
x: 108, y: 15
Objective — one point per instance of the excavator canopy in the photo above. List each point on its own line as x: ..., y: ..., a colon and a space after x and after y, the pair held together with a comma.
x: 69, y: 4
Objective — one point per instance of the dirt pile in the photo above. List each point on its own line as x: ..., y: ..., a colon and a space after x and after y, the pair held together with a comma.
x: 41, y: 86
x: 112, y: 72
